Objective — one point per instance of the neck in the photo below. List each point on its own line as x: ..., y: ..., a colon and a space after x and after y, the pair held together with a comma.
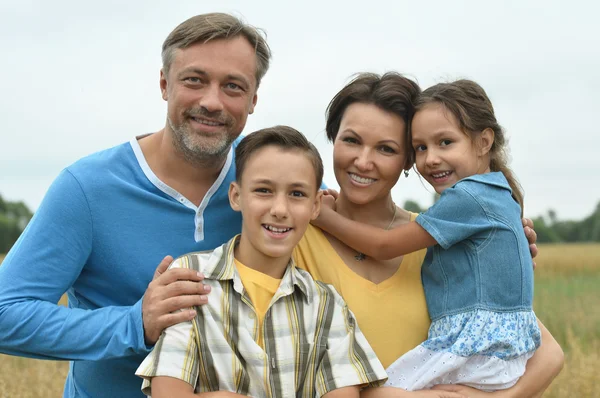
x: 377, y: 212
x: 248, y: 255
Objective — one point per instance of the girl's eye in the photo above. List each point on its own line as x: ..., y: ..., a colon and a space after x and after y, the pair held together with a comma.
x: 420, y: 148
x: 445, y: 142
x: 350, y: 140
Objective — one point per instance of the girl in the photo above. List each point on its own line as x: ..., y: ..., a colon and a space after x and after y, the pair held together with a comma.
x: 477, y: 274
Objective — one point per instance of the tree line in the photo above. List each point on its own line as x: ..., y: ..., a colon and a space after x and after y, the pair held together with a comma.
x: 14, y: 217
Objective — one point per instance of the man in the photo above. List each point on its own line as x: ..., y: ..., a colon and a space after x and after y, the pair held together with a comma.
x: 98, y: 233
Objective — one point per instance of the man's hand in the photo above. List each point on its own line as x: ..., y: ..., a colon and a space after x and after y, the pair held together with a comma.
x: 171, y: 290
x: 531, y: 237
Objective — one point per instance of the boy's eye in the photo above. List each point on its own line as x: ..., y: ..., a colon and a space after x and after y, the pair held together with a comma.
x: 298, y: 194
x: 445, y: 142
x: 261, y: 190
x: 420, y: 148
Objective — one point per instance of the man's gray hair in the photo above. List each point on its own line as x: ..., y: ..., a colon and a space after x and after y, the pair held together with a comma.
x: 205, y: 27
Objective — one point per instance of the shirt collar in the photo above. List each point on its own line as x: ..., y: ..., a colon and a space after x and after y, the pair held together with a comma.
x: 225, y: 269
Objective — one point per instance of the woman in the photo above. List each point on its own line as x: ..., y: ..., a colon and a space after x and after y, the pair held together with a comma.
x: 368, y: 122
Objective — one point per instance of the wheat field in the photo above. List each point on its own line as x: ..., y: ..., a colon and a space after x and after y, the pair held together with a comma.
x: 567, y: 298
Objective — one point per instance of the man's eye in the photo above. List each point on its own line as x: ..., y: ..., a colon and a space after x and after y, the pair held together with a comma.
x: 232, y: 86
x: 192, y: 79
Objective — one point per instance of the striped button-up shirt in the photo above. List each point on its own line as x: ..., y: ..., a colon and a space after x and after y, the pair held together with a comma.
x: 312, y: 342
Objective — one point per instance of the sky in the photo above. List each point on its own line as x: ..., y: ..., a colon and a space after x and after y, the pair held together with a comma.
x: 79, y: 77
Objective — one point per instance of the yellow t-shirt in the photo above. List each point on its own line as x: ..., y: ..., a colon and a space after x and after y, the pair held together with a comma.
x: 260, y: 288
x: 392, y: 314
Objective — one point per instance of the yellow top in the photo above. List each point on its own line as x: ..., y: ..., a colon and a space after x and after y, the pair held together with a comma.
x: 392, y: 314
x: 260, y: 288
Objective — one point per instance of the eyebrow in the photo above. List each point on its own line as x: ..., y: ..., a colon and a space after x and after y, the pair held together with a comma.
x: 270, y: 182
x: 379, y: 142
x: 201, y: 72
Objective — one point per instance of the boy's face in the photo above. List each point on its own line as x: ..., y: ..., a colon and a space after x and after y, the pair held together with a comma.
x: 278, y: 197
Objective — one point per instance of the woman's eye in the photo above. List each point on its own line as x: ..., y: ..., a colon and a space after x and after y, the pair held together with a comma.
x: 387, y: 149
x: 350, y: 140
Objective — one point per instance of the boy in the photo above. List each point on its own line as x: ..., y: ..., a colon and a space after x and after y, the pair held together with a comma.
x: 268, y: 329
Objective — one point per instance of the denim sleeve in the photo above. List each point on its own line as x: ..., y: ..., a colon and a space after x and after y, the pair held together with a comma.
x: 43, y: 264
x: 456, y: 216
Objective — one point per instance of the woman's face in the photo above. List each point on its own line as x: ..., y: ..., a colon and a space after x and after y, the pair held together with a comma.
x: 368, y: 153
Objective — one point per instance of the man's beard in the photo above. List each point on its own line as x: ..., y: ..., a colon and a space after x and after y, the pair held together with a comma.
x: 195, y: 151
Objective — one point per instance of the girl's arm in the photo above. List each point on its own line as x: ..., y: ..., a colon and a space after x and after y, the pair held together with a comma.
x: 541, y: 370
x: 375, y: 242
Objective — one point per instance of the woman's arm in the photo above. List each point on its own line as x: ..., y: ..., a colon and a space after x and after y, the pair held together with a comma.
x: 542, y: 368
x: 372, y: 241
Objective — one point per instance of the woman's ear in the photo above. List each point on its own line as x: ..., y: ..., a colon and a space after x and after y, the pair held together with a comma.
x: 234, y: 196
x: 485, y: 141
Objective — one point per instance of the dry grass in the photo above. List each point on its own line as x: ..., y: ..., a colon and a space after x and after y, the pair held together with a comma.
x: 567, y: 297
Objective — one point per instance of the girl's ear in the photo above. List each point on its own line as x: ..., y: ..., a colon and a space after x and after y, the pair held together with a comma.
x: 234, y: 196
x: 486, y: 140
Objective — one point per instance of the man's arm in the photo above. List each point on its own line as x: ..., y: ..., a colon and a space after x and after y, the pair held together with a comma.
x: 44, y: 263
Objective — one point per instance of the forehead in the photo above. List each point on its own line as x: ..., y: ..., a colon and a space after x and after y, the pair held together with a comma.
x: 434, y: 118
x: 219, y: 57
x: 369, y: 120
x: 281, y: 166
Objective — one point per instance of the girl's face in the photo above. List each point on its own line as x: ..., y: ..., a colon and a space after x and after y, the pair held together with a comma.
x: 368, y: 152
x: 444, y: 153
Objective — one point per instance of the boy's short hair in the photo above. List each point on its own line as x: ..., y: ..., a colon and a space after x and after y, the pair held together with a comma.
x: 283, y: 137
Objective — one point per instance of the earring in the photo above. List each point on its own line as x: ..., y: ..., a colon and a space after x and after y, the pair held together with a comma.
x: 405, y: 173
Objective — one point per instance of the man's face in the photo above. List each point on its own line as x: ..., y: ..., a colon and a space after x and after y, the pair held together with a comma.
x: 210, y: 89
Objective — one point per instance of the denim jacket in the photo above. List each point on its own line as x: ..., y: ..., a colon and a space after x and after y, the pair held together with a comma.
x: 482, y: 259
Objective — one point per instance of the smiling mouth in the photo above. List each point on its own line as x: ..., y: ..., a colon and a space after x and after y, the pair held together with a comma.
x: 276, y: 230
x: 207, y: 122
x: 440, y: 175
x: 361, y: 180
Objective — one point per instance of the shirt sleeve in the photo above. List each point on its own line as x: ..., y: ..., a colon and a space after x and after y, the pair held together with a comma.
x: 42, y: 265
x: 349, y: 359
x: 174, y: 355
x: 456, y: 216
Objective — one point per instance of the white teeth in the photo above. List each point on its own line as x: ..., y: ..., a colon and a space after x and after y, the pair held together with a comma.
x: 362, y: 180
x: 277, y: 230
x: 441, y: 175
x: 206, y: 122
